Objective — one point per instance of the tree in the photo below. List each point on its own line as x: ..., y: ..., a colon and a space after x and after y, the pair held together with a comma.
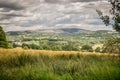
x: 46, y: 47
x: 3, y: 40
x: 112, y: 45
x: 87, y: 48
x: 115, y: 12
x: 71, y: 46
x: 25, y: 46
x: 34, y: 46
x: 98, y: 49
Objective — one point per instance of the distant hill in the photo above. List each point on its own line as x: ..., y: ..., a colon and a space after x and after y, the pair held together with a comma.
x: 59, y: 31
x: 75, y: 30
x: 62, y: 30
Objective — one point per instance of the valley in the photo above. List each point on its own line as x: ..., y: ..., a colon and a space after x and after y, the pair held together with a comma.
x: 59, y: 39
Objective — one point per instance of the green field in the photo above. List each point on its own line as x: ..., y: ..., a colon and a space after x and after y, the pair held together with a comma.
x: 18, y: 64
x: 63, y: 40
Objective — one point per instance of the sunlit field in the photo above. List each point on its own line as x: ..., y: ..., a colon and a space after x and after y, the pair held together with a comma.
x: 19, y: 64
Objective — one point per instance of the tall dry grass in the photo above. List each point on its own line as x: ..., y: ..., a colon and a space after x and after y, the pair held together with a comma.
x: 19, y: 64
x: 50, y: 52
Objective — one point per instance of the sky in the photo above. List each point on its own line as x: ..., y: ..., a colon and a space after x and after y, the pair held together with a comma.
x: 18, y: 15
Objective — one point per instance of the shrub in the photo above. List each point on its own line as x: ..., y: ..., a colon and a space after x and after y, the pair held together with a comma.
x: 87, y: 48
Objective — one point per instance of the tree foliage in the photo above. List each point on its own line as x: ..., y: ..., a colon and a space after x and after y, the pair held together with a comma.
x: 3, y: 40
x: 112, y: 45
x: 98, y: 49
x: 115, y: 12
x: 87, y: 48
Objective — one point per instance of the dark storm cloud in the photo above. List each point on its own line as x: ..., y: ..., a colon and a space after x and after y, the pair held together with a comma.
x: 5, y: 4
x: 11, y: 15
x: 5, y: 23
x: 68, y: 1
x: 31, y: 23
x: 83, y: 0
x: 52, y: 1
x: 4, y: 17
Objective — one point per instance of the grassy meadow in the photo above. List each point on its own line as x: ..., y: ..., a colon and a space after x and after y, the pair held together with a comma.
x: 19, y: 64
